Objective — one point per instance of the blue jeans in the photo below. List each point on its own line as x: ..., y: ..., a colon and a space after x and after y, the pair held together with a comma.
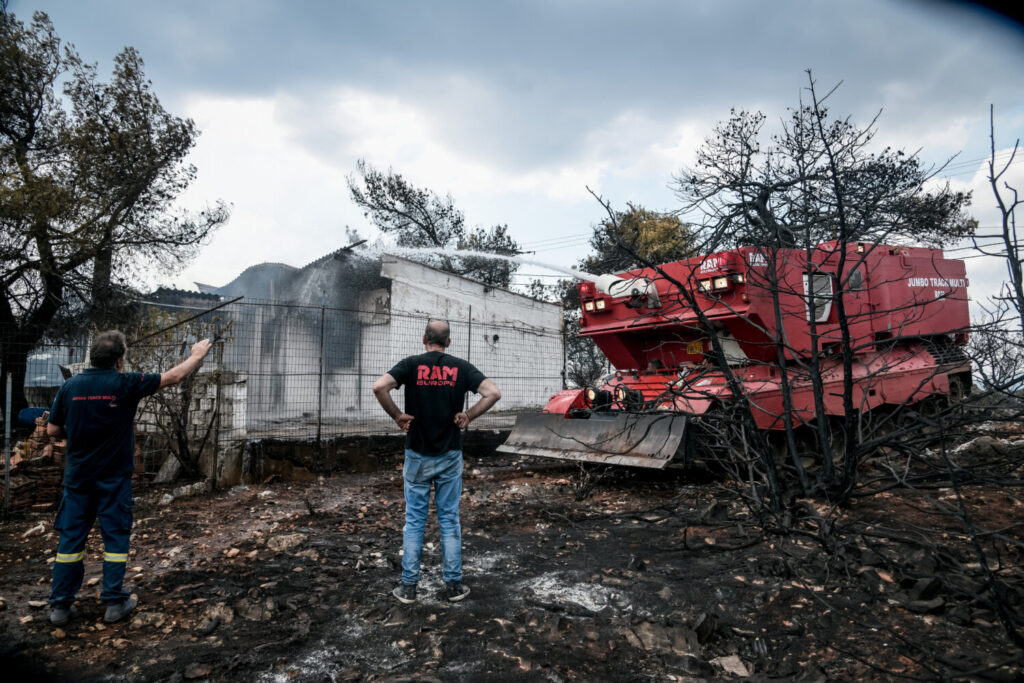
x: 444, y: 472
x: 111, y: 501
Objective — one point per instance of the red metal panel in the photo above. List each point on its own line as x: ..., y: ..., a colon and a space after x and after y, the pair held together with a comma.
x: 564, y: 401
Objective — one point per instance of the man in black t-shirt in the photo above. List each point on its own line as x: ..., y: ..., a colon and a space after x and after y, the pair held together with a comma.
x: 435, y: 390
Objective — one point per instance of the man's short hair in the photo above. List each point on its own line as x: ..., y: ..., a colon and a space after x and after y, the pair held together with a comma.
x: 107, y: 348
x: 435, y: 334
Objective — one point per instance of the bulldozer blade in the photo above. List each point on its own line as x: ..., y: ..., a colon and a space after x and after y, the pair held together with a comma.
x: 617, y: 439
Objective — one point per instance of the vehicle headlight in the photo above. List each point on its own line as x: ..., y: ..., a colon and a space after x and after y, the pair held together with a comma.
x: 720, y: 282
x: 588, y: 306
x: 599, y: 304
x: 704, y: 286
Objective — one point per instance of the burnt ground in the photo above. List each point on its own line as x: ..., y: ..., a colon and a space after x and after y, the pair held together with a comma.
x: 653, y: 577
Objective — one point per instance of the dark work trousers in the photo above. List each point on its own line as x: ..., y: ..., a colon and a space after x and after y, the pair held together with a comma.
x: 111, y: 501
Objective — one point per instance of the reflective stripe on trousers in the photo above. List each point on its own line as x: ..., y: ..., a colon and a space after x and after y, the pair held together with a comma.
x: 111, y: 501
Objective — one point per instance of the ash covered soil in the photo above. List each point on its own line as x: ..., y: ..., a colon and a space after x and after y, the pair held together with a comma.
x: 655, y: 576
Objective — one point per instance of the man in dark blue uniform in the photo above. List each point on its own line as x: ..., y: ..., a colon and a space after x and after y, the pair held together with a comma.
x: 435, y: 391
x: 95, y: 410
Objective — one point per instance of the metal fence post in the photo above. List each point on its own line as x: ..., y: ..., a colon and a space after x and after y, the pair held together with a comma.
x: 565, y: 359
x: 320, y: 383
x: 7, y: 448
x: 469, y: 356
x: 359, y: 368
x: 217, y: 406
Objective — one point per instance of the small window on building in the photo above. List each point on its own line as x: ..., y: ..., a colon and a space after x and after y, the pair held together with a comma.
x: 818, y: 297
x: 856, y: 280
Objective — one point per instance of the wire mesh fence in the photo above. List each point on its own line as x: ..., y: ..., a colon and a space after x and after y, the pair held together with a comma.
x: 309, y: 370
x: 288, y: 371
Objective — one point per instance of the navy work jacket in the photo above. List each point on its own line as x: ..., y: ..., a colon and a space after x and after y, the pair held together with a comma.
x: 96, y: 408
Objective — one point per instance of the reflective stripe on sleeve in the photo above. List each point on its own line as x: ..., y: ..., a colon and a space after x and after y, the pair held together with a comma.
x: 115, y: 557
x: 67, y: 558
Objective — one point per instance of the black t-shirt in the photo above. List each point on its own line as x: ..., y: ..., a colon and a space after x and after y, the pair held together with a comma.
x: 97, y: 410
x: 435, y: 389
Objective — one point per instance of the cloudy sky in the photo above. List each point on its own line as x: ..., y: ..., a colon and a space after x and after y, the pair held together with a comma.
x: 516, y: 106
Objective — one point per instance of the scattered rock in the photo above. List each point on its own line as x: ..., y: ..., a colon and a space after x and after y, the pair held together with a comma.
x: 213, y: 617
x: 692, y: 665
x: 732, y: 664
x: 59, y: 634
x: 256, y: 610
x: 37, y: 604
x: 705, y: 626
x: 166, y: 499
x: 232, y: 552
x: 220, y: 611
x: 25, y: 620
x: 120, y: 643
x: 653, y: 637
x: 35, y: 531
x: 933, y: 606
x: 93, y: 581
x: 168, y: 471
x: 285, y: 542
x: 632, y: 639
x: 196, y: 670
x: 684, y: 640
x: 206, y: 628
x: 155, y: 619
x: 195, y: 489
x: 397, y: 617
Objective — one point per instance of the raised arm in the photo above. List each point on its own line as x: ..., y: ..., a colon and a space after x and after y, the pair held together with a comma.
x: 186, y: 367
x: 489, y: 395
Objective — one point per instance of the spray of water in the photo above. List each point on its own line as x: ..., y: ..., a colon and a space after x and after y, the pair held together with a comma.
x: 517, y: 259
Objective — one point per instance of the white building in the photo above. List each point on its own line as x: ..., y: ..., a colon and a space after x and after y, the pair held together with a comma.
x: 310, y: 362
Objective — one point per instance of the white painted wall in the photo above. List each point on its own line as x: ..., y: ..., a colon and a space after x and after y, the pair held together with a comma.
x: 279, y: 347
x: 526, y: 359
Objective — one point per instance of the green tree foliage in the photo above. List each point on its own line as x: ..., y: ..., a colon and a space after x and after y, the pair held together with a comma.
x: 89, y: 173
x: 419, y: 219
x: 654, y: 236
x: 132, y: 169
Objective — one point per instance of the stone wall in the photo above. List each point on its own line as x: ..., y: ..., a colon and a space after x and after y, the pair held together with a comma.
x: 223, y: 429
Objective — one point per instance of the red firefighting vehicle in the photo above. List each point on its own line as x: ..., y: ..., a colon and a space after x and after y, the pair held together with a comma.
x: 772, y: 312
